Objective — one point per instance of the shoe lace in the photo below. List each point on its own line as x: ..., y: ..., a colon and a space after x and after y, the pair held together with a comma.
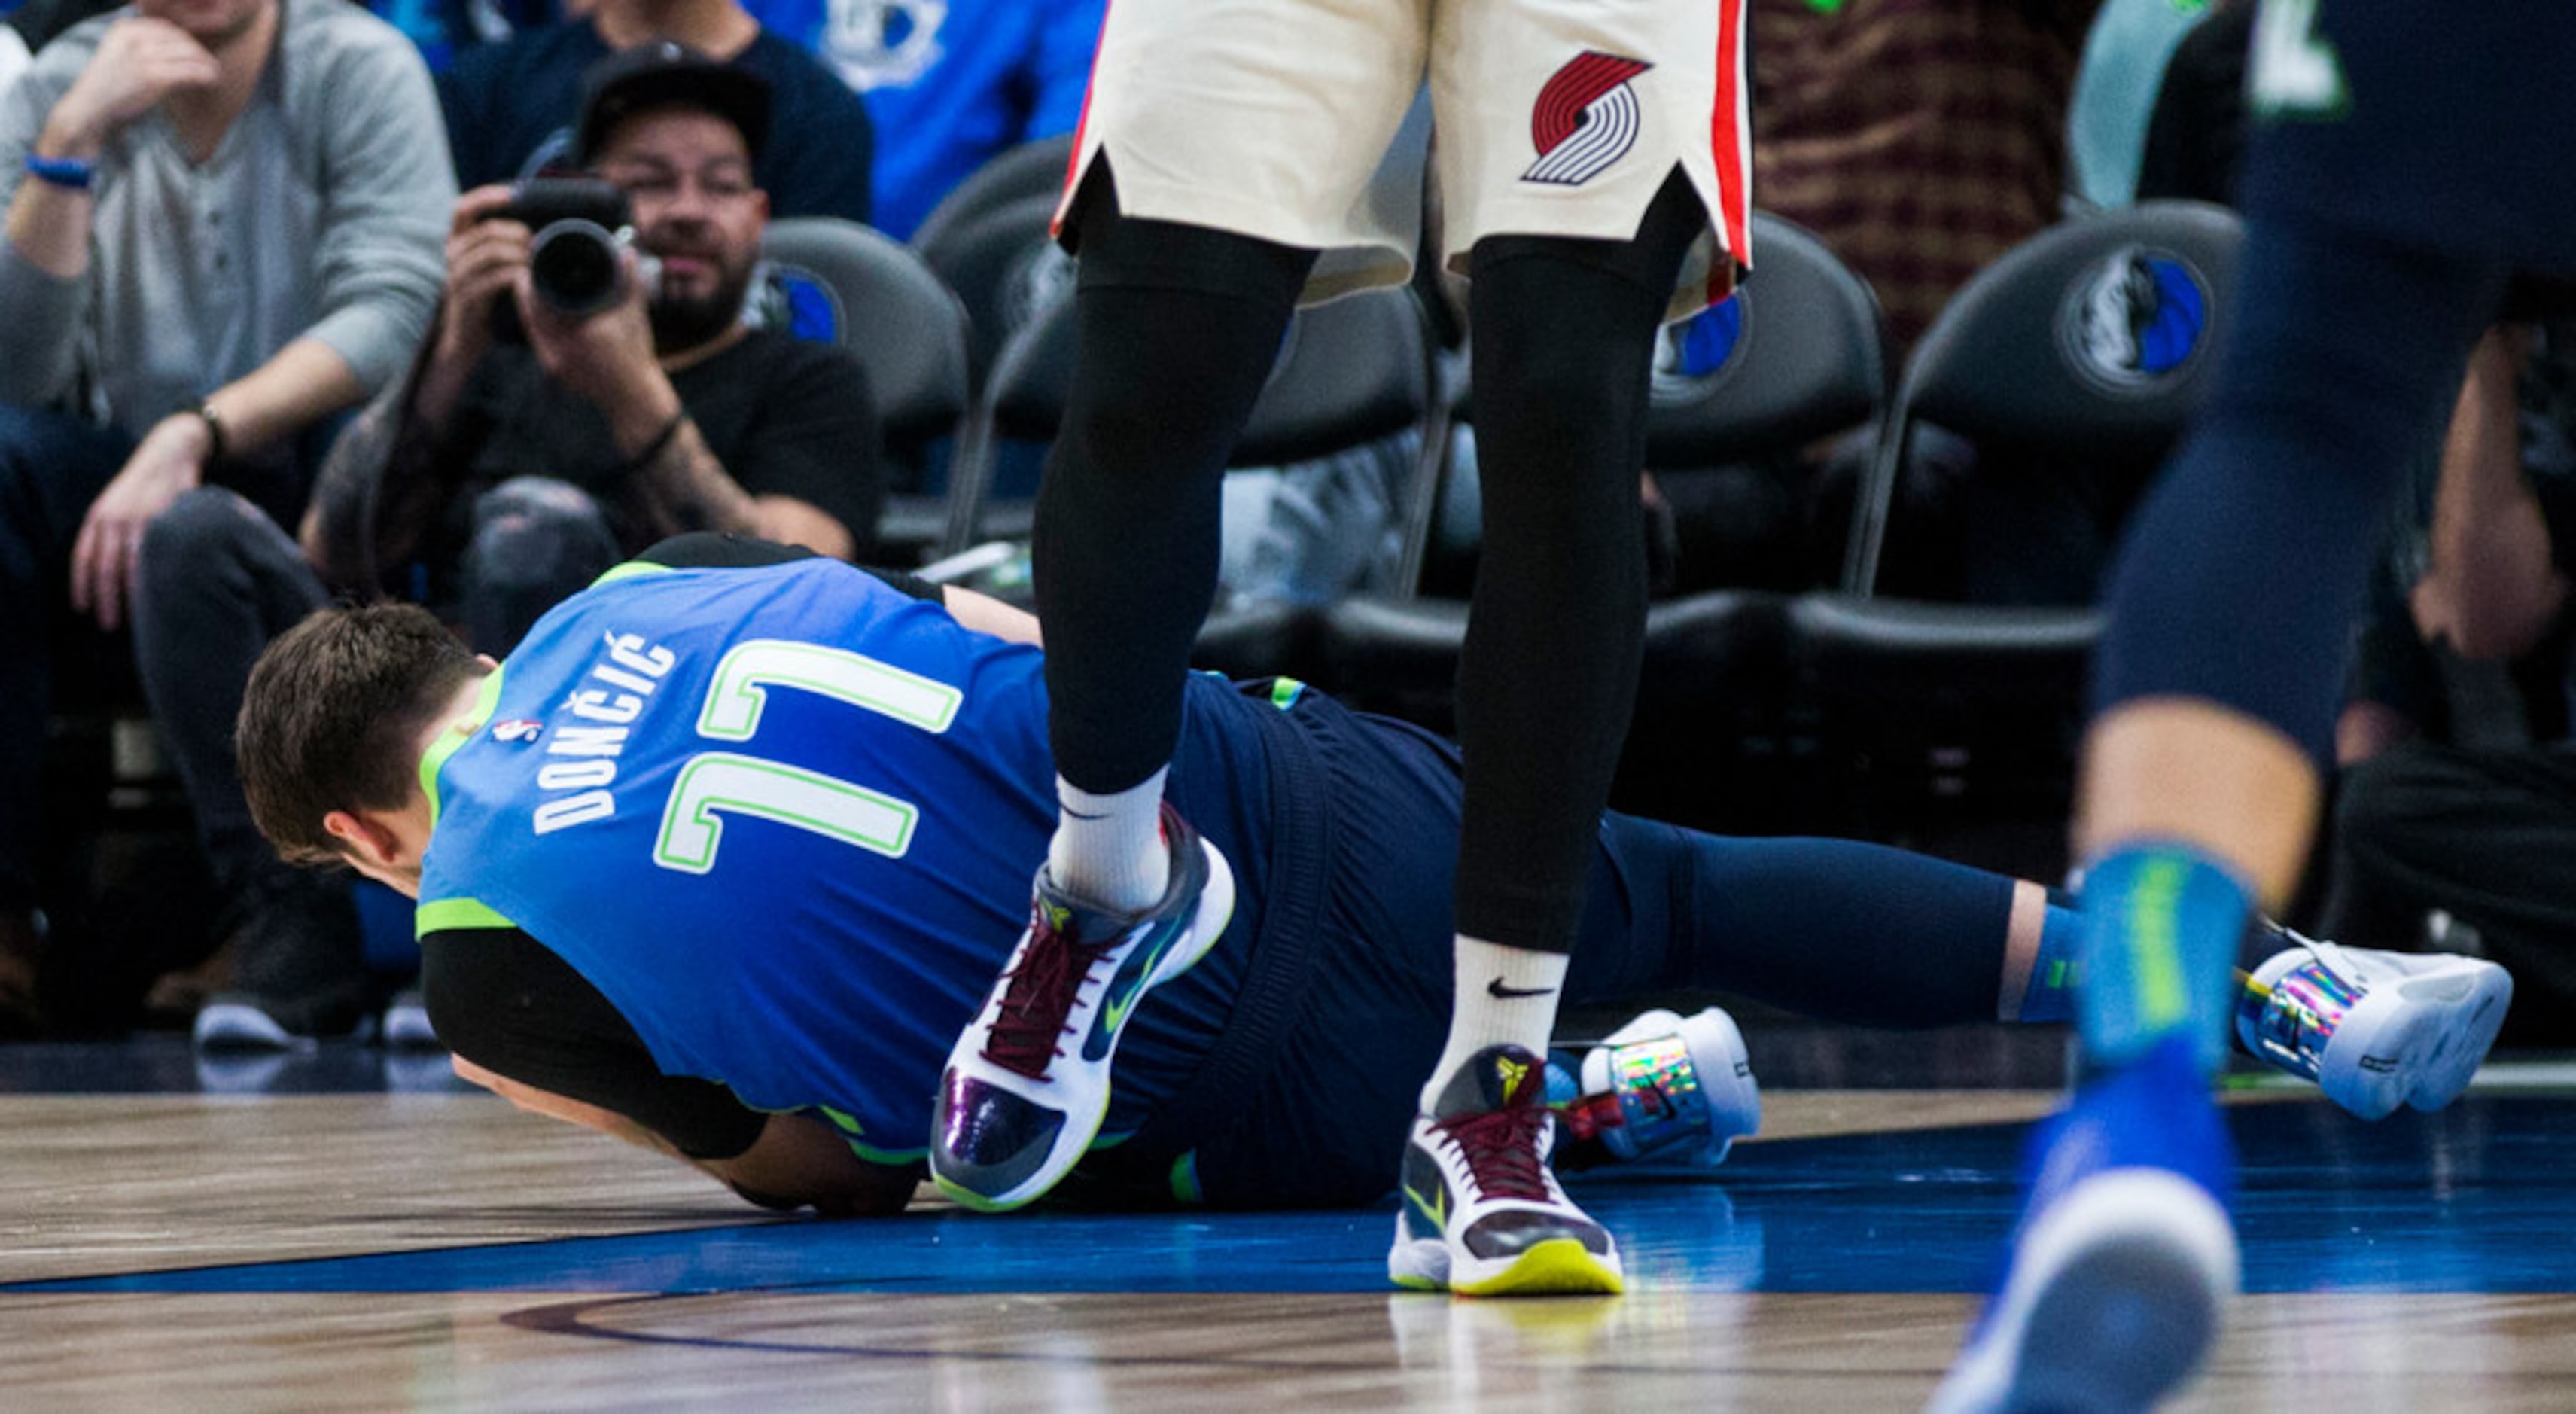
x: 1041, y: 994
x: 1501, y: 1147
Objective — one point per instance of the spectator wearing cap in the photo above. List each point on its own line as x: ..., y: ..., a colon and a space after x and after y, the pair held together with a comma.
x: 508, y: 470
x: 511, y: 107
x: 222, y: 230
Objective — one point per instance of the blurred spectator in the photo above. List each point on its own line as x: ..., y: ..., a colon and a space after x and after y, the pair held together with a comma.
x: 1310, y: 532
x: 949, y: 82
x: 38, y: 22
x: 510, y: 106
x: 1919, y: 138
x: 26, y: 28
x: 2479, y: 825
x: 501, y: 476
x: 443, y: 29
x: 177, y: 321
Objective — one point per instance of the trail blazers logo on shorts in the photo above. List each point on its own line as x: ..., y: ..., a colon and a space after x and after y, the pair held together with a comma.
x: 1587, y: 118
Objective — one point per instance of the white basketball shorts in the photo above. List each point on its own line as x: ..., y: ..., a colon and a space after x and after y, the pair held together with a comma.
x: 1279, y: 119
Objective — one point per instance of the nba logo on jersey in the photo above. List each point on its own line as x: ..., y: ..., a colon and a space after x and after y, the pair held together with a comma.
x: 517, y: 729
x: 2132, y: 322
x: 1586, y: 118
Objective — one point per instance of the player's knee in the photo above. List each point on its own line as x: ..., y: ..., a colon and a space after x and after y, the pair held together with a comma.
x: 1561, y: 343
x: 535, y: 542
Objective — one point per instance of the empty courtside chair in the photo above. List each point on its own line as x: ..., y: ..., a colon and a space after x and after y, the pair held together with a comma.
x: 1022, y: 400
x: 1797, y: 354
x: 838, y: 281
x: 2077, y: 356
x: 1031, y: 169
x: 1799, y: 358
x: 1008, y: 269
x: 2073, y: 360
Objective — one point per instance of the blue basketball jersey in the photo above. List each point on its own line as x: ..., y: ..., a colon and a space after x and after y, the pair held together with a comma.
x: 784, y: 818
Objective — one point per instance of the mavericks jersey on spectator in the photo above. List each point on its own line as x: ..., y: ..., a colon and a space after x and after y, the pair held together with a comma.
x: 677, y: 761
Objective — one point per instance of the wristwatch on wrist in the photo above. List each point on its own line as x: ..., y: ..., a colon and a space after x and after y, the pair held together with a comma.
x: 214, y: 421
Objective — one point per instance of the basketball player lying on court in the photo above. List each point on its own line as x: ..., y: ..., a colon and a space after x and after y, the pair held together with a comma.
x: 711, y: 862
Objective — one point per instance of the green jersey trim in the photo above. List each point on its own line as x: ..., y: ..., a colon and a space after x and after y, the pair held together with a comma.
x: 441, y: 915
x: 629, y: 570
x: 447, y: 742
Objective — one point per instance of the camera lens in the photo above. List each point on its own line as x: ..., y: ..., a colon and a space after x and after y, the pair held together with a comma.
x: 573, y: 267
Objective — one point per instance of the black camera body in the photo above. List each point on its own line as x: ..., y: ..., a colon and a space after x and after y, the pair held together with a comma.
x: 582, y: 227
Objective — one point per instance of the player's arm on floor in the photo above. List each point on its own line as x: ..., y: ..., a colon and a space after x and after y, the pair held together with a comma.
x: 527, y: 1026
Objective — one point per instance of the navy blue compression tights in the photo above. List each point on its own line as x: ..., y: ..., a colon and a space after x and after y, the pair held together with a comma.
x: 2241, y: 578
x: 1835, y: 929
x: 1179, y: 327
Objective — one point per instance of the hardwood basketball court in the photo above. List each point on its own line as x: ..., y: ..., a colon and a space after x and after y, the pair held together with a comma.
x: 404, y: 1243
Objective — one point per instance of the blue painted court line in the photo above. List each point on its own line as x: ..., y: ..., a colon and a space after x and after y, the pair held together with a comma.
x: 2474, y: 1200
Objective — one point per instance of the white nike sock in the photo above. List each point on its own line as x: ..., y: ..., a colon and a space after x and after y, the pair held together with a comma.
x: 1108, y: 849
x: 1506, y: 997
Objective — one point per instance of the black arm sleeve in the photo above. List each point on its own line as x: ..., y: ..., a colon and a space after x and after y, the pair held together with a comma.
x: 501, y: 1000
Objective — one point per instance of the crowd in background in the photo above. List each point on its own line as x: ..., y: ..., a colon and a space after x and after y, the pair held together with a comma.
x: 279, y: 343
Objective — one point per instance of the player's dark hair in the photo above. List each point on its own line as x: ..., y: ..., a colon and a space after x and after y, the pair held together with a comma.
x: 330, y: 717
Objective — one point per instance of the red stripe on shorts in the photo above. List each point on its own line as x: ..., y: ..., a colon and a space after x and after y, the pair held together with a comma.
x: 1728, y: 124
x: 1073, y: 159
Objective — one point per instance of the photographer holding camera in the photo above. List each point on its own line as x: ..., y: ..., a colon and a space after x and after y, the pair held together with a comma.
x: 564, y: 413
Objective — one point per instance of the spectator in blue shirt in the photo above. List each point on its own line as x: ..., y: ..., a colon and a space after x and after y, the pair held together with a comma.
x: 949, y: 82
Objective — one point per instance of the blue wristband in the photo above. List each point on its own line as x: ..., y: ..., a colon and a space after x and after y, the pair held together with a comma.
x: 69, y: 173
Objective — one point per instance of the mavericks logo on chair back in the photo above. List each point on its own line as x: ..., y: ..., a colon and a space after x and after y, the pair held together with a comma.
x: 1693, y: 355
x: 2132, y: 323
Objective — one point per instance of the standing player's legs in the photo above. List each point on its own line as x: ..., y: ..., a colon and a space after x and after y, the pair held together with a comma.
x: 1563, y: 334
x: 1225, y: 144
x: 1593, y: 164
x: 2201, y: 788
x: 1179, y: 326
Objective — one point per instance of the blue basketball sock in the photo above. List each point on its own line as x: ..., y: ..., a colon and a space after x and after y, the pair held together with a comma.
x: 2162, y: 925
x: 2055, y: 973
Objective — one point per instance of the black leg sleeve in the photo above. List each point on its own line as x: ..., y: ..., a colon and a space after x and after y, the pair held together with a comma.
x: 1563, y: 343
x: 1179, y: 327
